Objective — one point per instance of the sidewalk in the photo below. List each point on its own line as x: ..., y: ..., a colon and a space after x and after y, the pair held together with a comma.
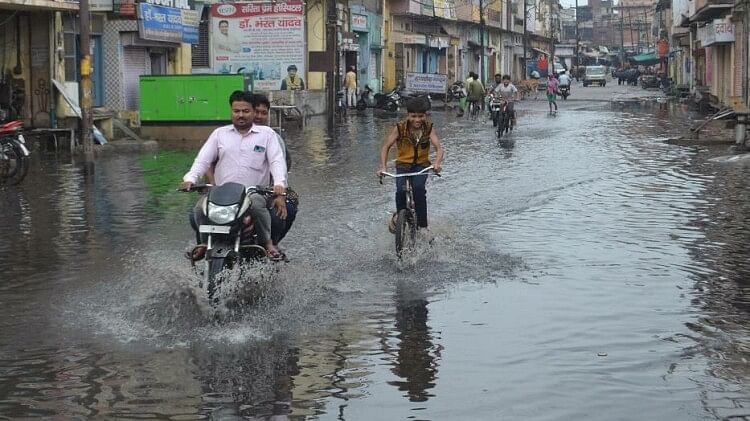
x: 612, y: 92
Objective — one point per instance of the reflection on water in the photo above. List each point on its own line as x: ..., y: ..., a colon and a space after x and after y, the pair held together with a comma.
x: 582, y: 267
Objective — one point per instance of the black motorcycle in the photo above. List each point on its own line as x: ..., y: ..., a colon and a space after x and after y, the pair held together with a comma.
x: 456, y: 91
x: 229, y: 232
x: 14, y: 155
x: 564, y: 91
x: 501, y: 116
x: 364, y: 100
x: 390, y: 101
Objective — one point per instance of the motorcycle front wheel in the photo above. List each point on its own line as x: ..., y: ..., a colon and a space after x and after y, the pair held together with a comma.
x: 213, y: 268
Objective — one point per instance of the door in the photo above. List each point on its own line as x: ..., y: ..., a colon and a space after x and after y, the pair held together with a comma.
x: 134, y: 65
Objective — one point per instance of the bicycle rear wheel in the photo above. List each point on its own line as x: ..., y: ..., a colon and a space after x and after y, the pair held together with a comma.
x: 405, y: 231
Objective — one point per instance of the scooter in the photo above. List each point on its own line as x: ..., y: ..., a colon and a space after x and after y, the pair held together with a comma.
x: 364, y: 99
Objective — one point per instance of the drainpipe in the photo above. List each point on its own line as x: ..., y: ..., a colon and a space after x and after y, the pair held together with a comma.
x: 692, y: 61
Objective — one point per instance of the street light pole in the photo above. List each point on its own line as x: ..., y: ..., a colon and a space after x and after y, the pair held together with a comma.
x: 525, y: 39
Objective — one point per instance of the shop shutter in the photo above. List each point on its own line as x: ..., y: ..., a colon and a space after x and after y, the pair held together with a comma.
x: 200, y: 50
x: 134, y: 65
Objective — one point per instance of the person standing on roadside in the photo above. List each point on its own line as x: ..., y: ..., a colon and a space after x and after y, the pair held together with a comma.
x: 552, y: 86
x: 350, y: 83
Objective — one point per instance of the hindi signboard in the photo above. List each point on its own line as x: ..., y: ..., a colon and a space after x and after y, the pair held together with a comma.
x: 427, y: 82
x: 167, y: 24
x: 266, y: 40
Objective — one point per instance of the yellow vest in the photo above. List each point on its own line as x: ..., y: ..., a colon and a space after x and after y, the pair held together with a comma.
x: 410, y: 151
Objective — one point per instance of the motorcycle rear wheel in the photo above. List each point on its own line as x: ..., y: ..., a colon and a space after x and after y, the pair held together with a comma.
x: 13, y: 163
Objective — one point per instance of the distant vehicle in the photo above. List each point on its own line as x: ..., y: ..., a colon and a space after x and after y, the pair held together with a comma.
x: 595, y: 74
x: 558, y: 68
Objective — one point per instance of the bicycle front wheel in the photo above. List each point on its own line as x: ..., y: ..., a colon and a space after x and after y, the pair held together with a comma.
x: 405, y: 231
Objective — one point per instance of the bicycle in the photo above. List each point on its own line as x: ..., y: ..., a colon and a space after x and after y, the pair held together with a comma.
x: 406, y: 219
x: 474, y: 110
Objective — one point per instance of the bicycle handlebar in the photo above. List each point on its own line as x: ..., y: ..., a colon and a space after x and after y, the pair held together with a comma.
x: 409, y: 174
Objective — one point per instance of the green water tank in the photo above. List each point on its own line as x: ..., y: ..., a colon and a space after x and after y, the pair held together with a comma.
x: 188, y: 98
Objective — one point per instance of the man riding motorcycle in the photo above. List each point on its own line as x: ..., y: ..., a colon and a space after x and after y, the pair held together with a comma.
x: 508, y: 92
x: 250, y: 155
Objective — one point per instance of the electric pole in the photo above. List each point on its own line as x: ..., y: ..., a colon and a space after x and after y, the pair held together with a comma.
x: 332, y: 50
x: 622, y: 42
x: 481, y: 40
x: 525, y: 39
x: 578, y: 59
x: 87, y: 120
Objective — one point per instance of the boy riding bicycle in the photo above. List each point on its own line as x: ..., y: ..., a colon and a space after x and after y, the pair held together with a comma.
x: 413, y: 137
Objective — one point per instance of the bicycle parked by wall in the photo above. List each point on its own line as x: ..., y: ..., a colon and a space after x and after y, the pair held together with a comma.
x: 14, y: 155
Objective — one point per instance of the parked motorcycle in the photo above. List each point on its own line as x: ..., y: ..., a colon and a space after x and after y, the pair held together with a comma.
x: 390, y: 101
x: 455, y: 91
x: 229, y: 231
x: 14, y: 155
x: 364, y: 100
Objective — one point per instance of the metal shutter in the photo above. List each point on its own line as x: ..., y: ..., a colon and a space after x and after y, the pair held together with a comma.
x: 135, y: 64
x: 200, y: 50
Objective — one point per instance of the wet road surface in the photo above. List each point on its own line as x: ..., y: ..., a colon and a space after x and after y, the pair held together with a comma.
x: 583, y: 269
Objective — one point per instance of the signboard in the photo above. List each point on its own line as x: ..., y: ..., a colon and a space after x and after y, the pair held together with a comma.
x: 412, y: 39
x: 191, y: 19
x: 266, y: 40
x: 124, y: 8
x: 159, y: 23
x: 445, y: 9
x: 349, y: 41
x: 359, y: 22
x: 439, y: 42
x: 101, y: 5
x: 720, y: 31
x: 426, y: 82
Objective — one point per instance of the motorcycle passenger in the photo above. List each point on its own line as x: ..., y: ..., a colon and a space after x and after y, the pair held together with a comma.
x: 509, y: 92
x: 247, y: 154
x: 279, y: 227
x: 413, y: 137
x: 475, y: 91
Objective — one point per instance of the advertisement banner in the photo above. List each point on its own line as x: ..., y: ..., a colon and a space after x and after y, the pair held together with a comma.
x: 359, y: 22
x: 426, y: 82
x: 167, y: 24
x: 266, y: 40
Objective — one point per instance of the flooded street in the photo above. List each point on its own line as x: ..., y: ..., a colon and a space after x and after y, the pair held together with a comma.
x: 582, y: 269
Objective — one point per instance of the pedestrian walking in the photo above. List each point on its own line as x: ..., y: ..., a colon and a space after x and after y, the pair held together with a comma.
x: 552, y: 92
x: 351, y: 87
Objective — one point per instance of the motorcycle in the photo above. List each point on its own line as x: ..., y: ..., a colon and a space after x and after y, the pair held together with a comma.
x: 229, y: 231
x: 501, y: 116
x: 564, y: 91
x: 390, y: 101
x: 496, y: 108
x: 364, y: 99
x: 14, y: 155
x: 456, y: 91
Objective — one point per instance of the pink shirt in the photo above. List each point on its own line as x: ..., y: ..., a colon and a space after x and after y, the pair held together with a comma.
x: 249, y: 160
x: 552, y: 86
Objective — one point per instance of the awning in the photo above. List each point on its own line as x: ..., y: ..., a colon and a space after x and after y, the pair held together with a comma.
x: 39, y: 5
x: 645, y: 59
x: 712, y: 11
x: 540, y: 51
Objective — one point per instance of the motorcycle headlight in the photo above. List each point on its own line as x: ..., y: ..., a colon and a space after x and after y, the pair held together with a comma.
x: 222, y: 214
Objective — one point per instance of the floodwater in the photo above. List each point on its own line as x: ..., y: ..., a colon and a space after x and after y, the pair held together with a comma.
x: 583, y: 269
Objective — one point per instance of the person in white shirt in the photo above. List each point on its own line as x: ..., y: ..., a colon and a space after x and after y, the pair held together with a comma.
x: 247, y: 154
x: 564, y: 79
